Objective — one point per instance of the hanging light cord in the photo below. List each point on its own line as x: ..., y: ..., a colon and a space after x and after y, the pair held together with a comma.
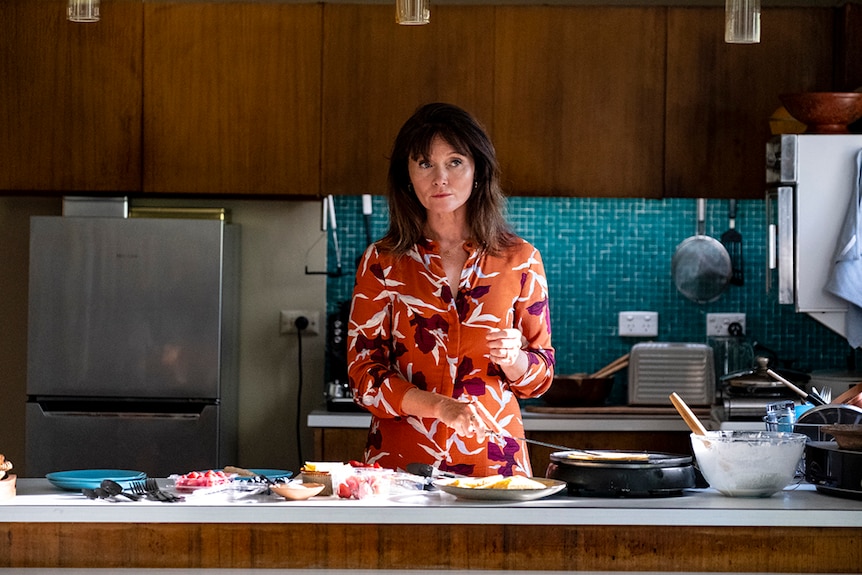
x: 301, y: 324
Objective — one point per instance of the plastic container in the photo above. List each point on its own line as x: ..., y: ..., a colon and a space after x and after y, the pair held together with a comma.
x: 364, y: 482
x: 748, y: 463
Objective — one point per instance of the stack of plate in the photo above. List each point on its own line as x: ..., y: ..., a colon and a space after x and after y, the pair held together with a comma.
x: 92, y: 478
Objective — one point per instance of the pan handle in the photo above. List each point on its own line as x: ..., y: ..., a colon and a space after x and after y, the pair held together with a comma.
x: 701, y: 216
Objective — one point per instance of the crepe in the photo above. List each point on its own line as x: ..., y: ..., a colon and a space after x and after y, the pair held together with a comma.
x: 497, y: 482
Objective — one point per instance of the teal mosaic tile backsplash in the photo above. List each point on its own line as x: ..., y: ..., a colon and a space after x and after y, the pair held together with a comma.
x: 603, y: 256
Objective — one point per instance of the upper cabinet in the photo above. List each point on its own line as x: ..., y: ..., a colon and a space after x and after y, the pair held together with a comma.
x: 232, y: 98
x: 70, y: 99
x: 579, y: 100
x: 376, y: 73
x: 277, y: 98
x: 720, y: 96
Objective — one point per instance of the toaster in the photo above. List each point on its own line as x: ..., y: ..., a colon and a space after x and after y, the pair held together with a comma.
x: 657, y: 369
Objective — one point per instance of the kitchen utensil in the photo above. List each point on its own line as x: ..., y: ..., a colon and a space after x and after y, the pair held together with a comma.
x: 701, y: 266
x: 650, y: 475
x: 732, y: 242
x: 113, y: 489
x: 690, y: 418
x: 812, y: 398
x: 613, y: 367
x: 269, y: 476
x: 824, y: 112
x: 97, y: 493
x: 748, y: 463
x: 852, y: 396
x: 825, y: 393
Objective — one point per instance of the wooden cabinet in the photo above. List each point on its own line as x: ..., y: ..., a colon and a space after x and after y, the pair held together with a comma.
x: 376, y: 73
x: 720, y: 96
x: 70, y: 101
x: 579, y: 100
x: 279, y: 98
x: 232, y: 98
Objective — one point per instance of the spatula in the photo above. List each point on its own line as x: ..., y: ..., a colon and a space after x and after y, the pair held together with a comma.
x: 732, y: 241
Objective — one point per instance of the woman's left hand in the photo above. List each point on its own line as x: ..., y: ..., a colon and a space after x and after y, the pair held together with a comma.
x: 504, y: 346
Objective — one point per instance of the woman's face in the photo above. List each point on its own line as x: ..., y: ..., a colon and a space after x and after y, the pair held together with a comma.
x: 443, y: 180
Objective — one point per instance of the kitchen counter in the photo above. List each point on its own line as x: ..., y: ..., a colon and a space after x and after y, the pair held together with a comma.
x: 699, y: 531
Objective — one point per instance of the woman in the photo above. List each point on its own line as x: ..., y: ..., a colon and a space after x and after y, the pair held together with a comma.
x: 449, y: 324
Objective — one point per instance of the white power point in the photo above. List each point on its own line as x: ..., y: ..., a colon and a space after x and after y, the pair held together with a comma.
x: 718, y: 324
x: 288, y: 317
x: 638, y: 323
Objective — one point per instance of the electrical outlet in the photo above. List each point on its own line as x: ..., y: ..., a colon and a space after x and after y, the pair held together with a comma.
x: 287, y: 321
x: 718, y: 324
x: 638, y: 323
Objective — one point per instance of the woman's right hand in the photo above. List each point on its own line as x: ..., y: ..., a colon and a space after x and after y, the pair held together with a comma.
x: 468, y: 419
x: 463, y: 418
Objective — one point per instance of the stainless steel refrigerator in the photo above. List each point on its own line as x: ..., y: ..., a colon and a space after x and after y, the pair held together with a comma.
x: 132, y: 344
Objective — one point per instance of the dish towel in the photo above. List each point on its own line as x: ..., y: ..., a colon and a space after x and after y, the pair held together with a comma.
x: 846, y: 278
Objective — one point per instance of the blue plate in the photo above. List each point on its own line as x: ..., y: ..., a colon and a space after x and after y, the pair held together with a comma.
x: 78, y: 479
x: 273, y: 474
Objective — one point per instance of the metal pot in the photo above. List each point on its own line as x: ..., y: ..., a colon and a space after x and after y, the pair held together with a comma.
x: 701, y: 266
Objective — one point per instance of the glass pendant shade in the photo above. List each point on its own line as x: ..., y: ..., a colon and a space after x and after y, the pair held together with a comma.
x: 412, y: 12
x: 742, y: 22
x: 83, y: 11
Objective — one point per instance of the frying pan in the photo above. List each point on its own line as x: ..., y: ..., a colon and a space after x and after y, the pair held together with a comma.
x: 701, y: 266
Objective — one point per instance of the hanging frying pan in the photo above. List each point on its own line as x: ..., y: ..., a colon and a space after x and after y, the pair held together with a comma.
x: 701, y: 266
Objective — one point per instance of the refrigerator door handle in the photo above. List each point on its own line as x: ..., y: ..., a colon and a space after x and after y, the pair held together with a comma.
x: 121, y: 414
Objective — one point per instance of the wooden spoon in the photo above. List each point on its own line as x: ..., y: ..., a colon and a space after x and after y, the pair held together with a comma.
x: 687, y: 414
x: 611, y: 368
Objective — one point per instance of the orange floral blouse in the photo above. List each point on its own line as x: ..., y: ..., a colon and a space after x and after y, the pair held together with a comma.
x: 407, y: 330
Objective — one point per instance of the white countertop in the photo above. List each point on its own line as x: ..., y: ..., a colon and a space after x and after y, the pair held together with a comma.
x: 532, y: 422
x: 798, y: 505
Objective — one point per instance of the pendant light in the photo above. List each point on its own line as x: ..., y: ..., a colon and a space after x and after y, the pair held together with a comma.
x: 742, y: 22
x: 412, y: 12
x: 83, y: 11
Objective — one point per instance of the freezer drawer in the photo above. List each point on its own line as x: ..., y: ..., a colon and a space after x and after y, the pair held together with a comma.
x: 63, y: 437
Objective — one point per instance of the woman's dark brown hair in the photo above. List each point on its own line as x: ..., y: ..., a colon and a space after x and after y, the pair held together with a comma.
x: 486, y: 205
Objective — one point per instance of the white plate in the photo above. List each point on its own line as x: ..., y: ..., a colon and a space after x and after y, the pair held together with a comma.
x: 552, y: 486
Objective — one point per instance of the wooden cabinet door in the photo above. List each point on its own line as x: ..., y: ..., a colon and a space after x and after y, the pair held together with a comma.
x: 579, y: 100
x: 70, y: 100
x: 232, y: 98
x: 376, y: 73
x: 720, y: 96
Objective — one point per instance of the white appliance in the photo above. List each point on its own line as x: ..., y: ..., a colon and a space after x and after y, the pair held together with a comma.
x: 810, y: 178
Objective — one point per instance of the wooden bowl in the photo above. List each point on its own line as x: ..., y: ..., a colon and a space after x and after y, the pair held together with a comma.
x: 575, y: 390
x: 847, y: 436
x: 824, y: 112
x: 296, y: 491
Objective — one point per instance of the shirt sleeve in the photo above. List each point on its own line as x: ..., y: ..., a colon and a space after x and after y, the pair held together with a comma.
x: 376, y: 386
x: 533, y: 318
